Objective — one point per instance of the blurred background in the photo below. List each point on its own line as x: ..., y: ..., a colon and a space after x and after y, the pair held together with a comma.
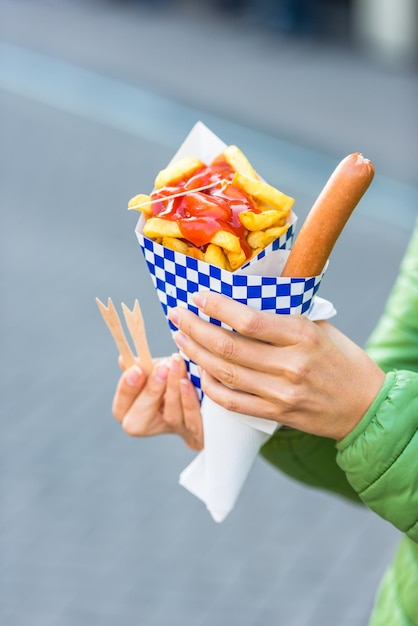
x: 95, y: 97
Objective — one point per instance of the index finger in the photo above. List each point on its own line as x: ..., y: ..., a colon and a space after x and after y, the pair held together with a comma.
x: 129, y: 386
x: 262, y: 325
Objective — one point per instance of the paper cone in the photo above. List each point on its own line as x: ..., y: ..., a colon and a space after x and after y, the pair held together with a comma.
x: 232, y: 441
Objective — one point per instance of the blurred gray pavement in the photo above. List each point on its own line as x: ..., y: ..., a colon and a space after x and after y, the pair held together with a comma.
x: 94, y: 99
x: 328, y: 96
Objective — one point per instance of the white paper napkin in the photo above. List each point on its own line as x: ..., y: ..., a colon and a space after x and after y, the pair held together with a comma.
x: 232, y: 442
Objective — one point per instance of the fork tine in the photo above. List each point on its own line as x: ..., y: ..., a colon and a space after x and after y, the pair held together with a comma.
x: 135, y: 323
x: 113, y: 323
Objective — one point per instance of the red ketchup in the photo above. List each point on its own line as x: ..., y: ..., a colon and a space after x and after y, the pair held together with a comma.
x: 201, y: 214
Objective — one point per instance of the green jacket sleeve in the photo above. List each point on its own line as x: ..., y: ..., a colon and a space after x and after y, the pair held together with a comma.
x: 308, y: 459
x: 393, y: 345
x: 380, y: 456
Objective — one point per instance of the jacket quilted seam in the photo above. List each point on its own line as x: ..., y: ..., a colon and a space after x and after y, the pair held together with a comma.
x: 389, y: 466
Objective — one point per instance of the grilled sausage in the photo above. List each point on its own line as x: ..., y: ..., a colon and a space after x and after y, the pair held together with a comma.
x: 328, y: 216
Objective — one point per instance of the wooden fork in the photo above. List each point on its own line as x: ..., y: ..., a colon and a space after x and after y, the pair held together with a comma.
x: 135, y: 323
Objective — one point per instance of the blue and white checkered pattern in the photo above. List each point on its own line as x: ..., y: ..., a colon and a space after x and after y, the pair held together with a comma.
x: 177, y: 277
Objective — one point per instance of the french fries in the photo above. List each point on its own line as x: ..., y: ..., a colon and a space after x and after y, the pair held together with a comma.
x: 261, y: 221
x: 143, y: 201
x: 262, y: 192
x: 182, y: 169
x: 261, y: 238
x: 156, y: 227
x: 221, y: 213
x: 239, y: 162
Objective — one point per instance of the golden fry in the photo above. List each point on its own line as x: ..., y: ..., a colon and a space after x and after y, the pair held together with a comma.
x: 215, y: 256
x: 226, y: 240
x: 239, y: 162
x: 262, y: 238
x: 196, y: 253
x: 236, y: 259
x: 260, y: 221
x: 255, y: 252
x: 159, y: 227
x: 263, y: 192
x: 142, y: 202
x: 177, y: 171
x: 178, y: 245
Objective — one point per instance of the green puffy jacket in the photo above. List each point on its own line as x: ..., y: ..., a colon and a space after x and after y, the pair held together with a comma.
x: 378, y: 461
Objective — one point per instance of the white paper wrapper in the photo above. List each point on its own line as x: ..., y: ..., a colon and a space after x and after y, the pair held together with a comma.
x: 231, y: 441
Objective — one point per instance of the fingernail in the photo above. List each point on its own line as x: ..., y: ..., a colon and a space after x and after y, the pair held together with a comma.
x: 174, y: 317
x: 161, y: 373
x: 175, y: 363
x: 199, y: 299
x: 133, y: 376
x: 185, y: 386
x: 180, y: 339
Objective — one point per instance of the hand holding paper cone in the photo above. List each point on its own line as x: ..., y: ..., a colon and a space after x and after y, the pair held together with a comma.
x: 179, y: 269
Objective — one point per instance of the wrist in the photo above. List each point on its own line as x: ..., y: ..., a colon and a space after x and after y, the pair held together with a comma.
x: 371, y: 391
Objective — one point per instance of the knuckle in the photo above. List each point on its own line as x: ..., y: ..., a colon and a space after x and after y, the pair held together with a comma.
x: 228, y: 376
x: 299, y: 374
x: 131, y: 428
x: 231, y: 405
x: 216, y: 392
x: 292, y: 399
x: 308, y: 332
x: 249, y: 323
x: 172, y: 419
x: 225, y: 346
x: 213, y: 305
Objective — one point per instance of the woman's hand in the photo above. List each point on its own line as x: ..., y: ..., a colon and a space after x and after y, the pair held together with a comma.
x: 165, y: 402
x: 302, y: 374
